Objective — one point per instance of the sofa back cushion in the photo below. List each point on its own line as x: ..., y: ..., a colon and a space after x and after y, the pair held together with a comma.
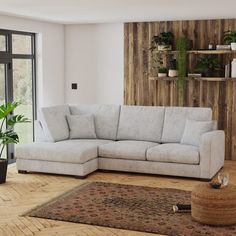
x: 54, y: 122
x: 141, y: 123
x: 106, y: 118
x: 175, y: 119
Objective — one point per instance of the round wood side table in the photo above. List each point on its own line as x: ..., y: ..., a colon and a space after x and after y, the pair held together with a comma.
x: 214, y: 206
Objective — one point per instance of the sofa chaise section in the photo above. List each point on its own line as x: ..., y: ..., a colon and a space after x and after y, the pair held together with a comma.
x: 59, y: 157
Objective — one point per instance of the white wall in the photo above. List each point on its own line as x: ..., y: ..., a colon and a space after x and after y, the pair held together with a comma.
x: 110, y: 63
x: 50, y: 57
x: 80, y: 59
x: 94, y: 60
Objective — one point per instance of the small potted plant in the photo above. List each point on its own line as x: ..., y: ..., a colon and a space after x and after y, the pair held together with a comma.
x: 7, y: 133
x: 230, y: 38
x: 173, y: 72
x: 163, y: 41
x: 207, y: 65
x: 162, y: 72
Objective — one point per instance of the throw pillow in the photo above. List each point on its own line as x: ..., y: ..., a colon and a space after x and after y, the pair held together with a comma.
x: 81, y: 126
x: 193, y: 131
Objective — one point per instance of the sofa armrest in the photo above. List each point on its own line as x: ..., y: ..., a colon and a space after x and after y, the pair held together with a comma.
x: 212, y: 153
x: 39, y: 134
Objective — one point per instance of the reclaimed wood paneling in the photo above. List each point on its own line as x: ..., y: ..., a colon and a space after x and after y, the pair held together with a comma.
x: 140, y: 90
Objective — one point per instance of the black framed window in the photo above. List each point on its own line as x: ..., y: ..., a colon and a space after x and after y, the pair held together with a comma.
x: 18, y: 79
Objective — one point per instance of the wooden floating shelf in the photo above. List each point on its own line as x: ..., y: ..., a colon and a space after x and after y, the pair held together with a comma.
x: 213, y: 79
x: 197, y: 52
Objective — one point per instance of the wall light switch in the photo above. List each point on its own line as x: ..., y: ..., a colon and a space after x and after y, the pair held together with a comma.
x: 74, y: 86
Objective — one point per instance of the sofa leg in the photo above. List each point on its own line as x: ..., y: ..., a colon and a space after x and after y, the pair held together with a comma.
x: 80, y: 177
x: 22, y: 172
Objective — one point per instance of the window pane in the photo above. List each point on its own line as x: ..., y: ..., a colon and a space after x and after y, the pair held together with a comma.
x: 22, y: 92
x: 2, y: 96
x: 3, y: 43
x: 2, y: 83
x: 21, y: 44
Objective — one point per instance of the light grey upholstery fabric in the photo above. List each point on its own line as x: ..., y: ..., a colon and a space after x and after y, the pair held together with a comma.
x: 141, y: 123
x: 174, y: 153
x: 150, y: 167
x: 131, y: 150
x: 57, y: 167
x: 54, y: 122
x: 70, y: 151
x: 212, y: 153
x: 106, y: 118
x: 81, y: 126
x: 193, y: 131
x: 175, y: 118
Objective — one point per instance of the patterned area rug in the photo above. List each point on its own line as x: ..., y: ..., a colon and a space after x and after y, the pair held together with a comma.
x: 128, y: 207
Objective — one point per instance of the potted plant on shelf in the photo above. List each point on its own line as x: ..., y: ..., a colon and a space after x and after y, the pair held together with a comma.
x: 230, y: 38
x: 173, y: 72
x: 7, y: 133
x: 163, y: 42
x: 207, y: 65
x: 162, y: 72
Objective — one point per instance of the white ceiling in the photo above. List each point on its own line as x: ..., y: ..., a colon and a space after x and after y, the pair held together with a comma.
x: 107, y: 11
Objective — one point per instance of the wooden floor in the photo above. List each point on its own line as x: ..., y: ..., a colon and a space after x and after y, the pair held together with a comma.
x: 25, y: 191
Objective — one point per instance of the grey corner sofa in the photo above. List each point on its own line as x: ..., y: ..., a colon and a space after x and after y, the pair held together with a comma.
x: 128, y: 138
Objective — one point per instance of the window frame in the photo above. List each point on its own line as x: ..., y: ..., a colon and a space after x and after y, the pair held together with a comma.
x: 6, y: 57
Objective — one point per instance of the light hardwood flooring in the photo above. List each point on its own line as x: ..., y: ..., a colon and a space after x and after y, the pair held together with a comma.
x: 22, y: 192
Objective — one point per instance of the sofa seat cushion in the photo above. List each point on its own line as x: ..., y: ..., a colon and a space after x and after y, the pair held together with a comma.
x: 131, y: 150
x: 174, y: 153
x: 70, y: 151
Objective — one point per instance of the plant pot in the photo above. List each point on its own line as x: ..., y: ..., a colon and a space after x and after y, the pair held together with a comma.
x: 233, y: 46
x: 3, y: 170
x: 172, y: 73
x: 162, y: 75
x: 164, y: 47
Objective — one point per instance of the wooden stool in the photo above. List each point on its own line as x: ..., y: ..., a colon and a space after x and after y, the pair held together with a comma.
x: 214, y: 206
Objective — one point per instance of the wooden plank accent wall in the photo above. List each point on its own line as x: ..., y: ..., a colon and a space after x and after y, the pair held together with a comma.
x: 139, y: 90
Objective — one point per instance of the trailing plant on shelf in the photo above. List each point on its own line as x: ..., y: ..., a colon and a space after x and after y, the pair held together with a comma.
x: 208, y: 65
x: 163, y: 41
x: 230, y: 38
x: 182, y: 45
x: 7, y: 133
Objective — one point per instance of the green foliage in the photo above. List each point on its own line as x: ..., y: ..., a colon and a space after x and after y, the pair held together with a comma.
x: 173, y: 64
x: 207, y: 65
x: 6, y: 109
x: 165, y: 38
x: 229, y: 37
x: 182, y: 45
x: 162, y: 70
x: 8, y: 121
